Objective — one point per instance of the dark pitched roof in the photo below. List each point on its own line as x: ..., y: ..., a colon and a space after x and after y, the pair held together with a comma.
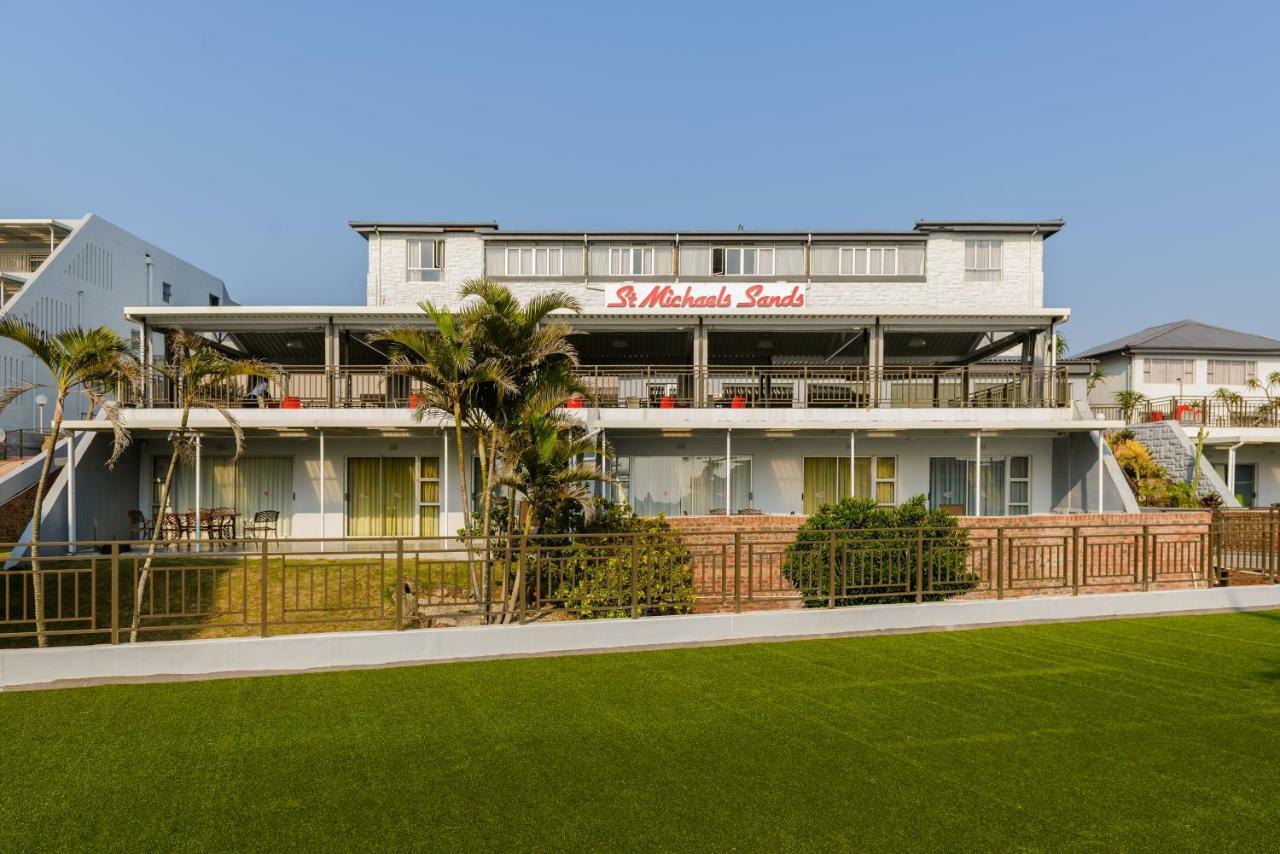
x: 1185, y: 336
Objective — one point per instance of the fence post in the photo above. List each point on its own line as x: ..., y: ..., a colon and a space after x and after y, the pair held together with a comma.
x: 1075, y: 560
x: 115, y: 593
x: 1273, y: 540
x: 635, y: 572
x: 1146, y: 556
x: 398, y: 599
x: 737, y: 572
x: 999, y: 563
x: 919, y: 565
x: 521, y: 578
x: 262, y: 590
x: 831, y: 570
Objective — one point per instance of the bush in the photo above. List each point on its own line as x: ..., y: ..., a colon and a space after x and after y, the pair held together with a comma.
x: 598, y: 568
x: 876, y: 550
x: 1135, y: 460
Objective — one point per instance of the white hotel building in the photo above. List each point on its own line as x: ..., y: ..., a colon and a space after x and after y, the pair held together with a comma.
x: 734, y: 372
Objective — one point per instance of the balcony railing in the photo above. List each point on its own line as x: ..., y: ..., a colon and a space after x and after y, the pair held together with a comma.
x: 809, y: 387
x: 658, y: 386
x: 1210, y: 411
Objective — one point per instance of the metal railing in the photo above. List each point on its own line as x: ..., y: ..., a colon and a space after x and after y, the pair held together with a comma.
x: 806, y: 387
x: 661, y: 386
x: 263, y: 587
x: 1212, y: 411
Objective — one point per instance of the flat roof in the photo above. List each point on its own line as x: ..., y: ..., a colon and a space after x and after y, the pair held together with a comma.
x: 491, y: 229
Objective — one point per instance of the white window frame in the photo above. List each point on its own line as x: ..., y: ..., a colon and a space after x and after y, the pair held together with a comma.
x: 842, y: 471
x: 631, y: 260
x: 868, y: 261
x: 1009, y: 480
x: 1248, y: 369
x: 1186, y: 375
x: 419, y: 480
x: 983, y: 260
x: 528, y: 259
x: 415, y: 267
x: 761, y: 257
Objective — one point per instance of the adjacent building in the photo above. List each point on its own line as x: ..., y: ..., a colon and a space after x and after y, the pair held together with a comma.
x: 1192, y: 375
x: 60, y: 272
x: 733, y: 373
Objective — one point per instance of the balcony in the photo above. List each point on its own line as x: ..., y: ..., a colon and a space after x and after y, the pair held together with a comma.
x: 665, y: 387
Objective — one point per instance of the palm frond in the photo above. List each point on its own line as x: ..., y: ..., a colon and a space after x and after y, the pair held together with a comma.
x: 9, y: 395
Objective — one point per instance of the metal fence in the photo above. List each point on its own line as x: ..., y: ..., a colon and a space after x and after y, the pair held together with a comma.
x: 262, y: 587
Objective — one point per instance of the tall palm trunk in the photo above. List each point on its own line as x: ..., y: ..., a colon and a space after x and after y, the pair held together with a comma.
x: 466, y: 502
x: 156, y: 532
x: 487, y: 474
x: 37, y: 575
x: 517, y: 591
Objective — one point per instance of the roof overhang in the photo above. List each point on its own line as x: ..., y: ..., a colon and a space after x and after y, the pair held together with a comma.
x: 33, y: 230
x: 1046, y: 228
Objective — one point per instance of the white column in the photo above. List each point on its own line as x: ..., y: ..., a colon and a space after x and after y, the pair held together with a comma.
x: 323, y: 519
x: 1231, y: 469
x: 1102, y: 453
x: 977, y: 475
x: 852, y: 468
x: 728, y: 472
x: 444, y: 481
x: 197, y: 492
x: 71, y: 491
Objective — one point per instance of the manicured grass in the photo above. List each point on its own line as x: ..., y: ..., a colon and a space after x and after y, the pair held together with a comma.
x: 1139, y: 734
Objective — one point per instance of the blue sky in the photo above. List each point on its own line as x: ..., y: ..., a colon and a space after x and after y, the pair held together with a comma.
x: 244, y: 137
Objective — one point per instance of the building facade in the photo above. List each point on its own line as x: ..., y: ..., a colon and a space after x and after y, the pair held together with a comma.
x: 737, y: 372
x: 1195, y: 377
x: 59, y: 273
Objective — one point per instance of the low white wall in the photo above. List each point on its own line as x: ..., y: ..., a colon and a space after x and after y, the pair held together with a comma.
x: 199, y: 658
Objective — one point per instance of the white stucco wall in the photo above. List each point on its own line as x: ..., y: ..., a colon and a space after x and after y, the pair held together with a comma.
x: 1124, y: 372
x: 68, y: 291
x: 1021, y: 286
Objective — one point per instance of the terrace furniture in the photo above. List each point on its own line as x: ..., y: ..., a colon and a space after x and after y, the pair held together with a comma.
x: 264, y: 522
x: 140, y: 527
x: 716, y: 511
x: 173, y: 526
x: 953, y: 509
x: 750, y: 511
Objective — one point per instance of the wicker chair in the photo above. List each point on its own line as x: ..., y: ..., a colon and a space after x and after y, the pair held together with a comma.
x: 140, y: 527
x: 173, y: 526
x: 750, y: 511
x: 264, y: 522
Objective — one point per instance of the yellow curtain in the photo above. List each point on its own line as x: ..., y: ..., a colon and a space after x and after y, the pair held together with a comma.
x: 886, y: 474
x: 821, y: 482
x: 429, y: 497
x: 364, y: 496
x: 397, y: 497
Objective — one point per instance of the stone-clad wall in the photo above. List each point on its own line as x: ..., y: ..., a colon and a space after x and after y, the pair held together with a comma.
x: 1175, y: 452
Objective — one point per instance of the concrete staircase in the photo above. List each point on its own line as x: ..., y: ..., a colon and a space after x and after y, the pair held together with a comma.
x: 1175, y: 451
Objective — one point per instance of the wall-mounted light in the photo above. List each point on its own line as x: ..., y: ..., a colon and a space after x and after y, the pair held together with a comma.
x: 765, y: 343
x: 619, y: 343
x: 916, y: 342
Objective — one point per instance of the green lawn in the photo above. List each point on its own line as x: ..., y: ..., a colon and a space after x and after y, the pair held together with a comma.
x: 1137, y: 734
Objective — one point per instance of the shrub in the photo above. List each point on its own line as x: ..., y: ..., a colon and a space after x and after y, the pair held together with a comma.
x: 1135, y: 460
x: 876, y: 551
x: 598, y: 568
x: 1121, y: 435
x: 1212, y: 501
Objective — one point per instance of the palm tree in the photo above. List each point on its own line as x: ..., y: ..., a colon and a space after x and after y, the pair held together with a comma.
x: 542, y: 463
x: 82, y: 361
x: 1128, y: 401
x: 533, y: 347
x: 447, y: 374
x: 200, y: 376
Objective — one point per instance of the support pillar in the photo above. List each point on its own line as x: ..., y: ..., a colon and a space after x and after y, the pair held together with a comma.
x: 324, y: 526
x: 71, y: 490
x: 197, y: 497
x: 977, y: 474
x: 728, y: 472
x: 853, y: 482
x: 1102, y: 474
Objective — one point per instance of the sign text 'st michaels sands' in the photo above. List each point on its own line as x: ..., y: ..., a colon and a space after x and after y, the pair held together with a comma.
x: 705, y: 297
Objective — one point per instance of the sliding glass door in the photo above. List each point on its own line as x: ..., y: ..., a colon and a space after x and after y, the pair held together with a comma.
x: 246, y: 486
x: 1006, y: 485
x: 826, y: 480
x: 682, y: 486
x: 381, y: 496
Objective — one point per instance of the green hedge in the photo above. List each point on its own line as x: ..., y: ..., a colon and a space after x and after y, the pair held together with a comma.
x: 876, y: 551
x: 598, y: 568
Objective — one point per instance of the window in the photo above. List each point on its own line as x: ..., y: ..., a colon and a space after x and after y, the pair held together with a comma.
x: 425, y: 257
x: 214, y: 299
x: 1006, y: 485
x: 631, y: 261
x: 428, y: 496
x: 675, y: 486
x: 982, y: 260
x: 1168, y: 370
x: 166, y: 292
x: 1019, y: 486
x: 534, y: 261
x: 1231, y: 371
x: 826, y: 480
x: 869, y: 261
x: 742, y: 261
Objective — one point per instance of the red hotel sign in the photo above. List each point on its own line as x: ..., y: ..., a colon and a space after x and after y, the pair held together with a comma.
x: 705, y: 297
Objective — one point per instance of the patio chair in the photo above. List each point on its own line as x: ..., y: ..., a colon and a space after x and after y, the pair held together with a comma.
x: 173, y: 526
x: 264, y: 522
x: 716, y: 511
x: 140, y: 527
x: 750, y: 511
